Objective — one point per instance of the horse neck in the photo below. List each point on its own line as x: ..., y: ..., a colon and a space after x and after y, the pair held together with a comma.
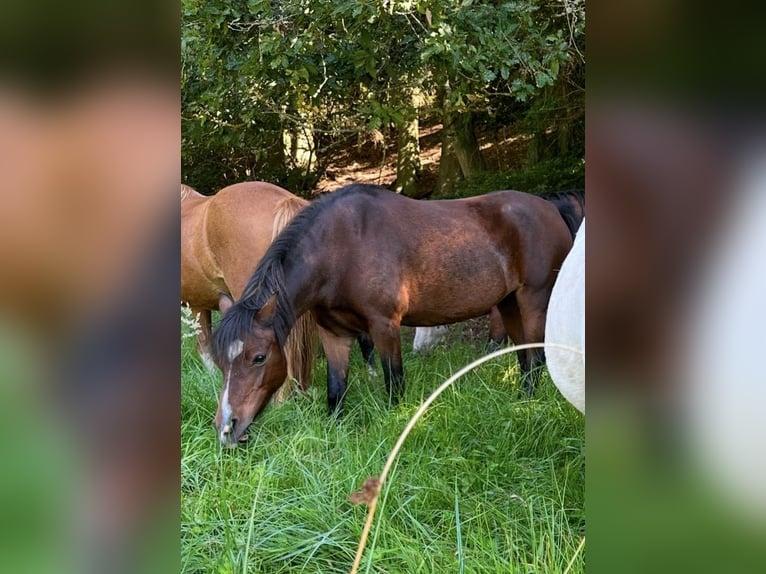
x: 300, y: 283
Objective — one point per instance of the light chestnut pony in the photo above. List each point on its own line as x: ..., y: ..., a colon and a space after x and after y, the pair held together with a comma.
x: 223, y: 237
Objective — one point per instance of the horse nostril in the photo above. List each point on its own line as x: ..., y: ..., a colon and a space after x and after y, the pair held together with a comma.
x: 229, y: 428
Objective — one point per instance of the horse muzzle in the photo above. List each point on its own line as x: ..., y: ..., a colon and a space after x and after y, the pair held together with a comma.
x: 232, y: 432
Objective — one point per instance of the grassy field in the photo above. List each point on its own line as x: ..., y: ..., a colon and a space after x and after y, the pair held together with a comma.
x: 487, y: 481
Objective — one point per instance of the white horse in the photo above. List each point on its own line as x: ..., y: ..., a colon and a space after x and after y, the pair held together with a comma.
x: 428, y: 337
x: 723, y: 395
x: 565, y: 325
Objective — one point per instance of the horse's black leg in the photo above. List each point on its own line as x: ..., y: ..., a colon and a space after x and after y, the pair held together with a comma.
x: 393, y: 374
x: 388, y: 342
x: 534, y: 370
x: 494, y: 345
x: 337, y: 349
x: 368, y: 351
x: 533, y: 305
x: 497, y: 330
x: 511, y: 320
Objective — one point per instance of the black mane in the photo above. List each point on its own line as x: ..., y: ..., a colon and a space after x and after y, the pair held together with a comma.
x: 268, y: 279
x: 565, y: 202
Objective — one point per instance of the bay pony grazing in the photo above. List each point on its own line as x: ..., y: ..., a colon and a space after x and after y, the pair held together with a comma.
x: 565, y: 325
x: 223, y: 237
x: 365, y: 259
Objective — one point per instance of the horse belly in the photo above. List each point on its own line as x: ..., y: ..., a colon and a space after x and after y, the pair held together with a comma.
x: 456, y: 293
x: 431, y: 308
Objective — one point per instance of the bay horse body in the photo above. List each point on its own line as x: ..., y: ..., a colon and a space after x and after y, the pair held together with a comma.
x: 571, y: 206
x: 223, y: 237
x: 365, y: 259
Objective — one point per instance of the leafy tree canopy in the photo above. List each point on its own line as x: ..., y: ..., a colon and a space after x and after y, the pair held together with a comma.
x: 253, y: 68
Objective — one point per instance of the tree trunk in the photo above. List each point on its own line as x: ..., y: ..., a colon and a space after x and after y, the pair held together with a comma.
x: 408, y: 153
x: 466, y: 146
x: 299, y: 146
x: 461, y: 156
x: 271, y: 152
x: 449, y: 166
x: 535, y: 148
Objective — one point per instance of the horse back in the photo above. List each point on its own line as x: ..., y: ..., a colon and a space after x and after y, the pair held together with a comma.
x: 188, y: 192
x: 423, y: 257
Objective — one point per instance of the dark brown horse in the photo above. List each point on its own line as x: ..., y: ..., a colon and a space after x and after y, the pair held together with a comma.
x: 365, y: 259
x: 223, y: 237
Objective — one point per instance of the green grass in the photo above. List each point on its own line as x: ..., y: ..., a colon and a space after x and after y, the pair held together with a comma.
x: 486, y: 482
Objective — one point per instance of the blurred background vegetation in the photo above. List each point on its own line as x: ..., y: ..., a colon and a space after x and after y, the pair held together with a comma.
x: 438, y: 98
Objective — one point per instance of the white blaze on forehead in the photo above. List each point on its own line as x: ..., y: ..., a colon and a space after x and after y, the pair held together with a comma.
x: 225, y: 406
x: 234, y: 350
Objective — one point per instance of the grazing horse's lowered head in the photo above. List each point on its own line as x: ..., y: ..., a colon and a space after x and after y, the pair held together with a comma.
x: 253, y: 366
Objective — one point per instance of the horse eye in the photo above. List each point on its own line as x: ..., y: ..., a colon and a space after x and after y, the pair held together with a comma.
x: 259, y: 359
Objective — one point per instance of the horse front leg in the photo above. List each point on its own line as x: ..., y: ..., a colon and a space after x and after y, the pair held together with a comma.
x: 367, y: 347
x: 337, y: 349
x: 387, y: 339
x: 204, y: 349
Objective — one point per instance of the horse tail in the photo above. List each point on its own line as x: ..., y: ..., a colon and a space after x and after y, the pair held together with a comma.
x: 571, y: 206
x: 301, y: 344
x: 284, y: 211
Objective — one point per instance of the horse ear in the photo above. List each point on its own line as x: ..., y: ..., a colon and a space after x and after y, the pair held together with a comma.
x: 224, y: 302
x: 268, y: 310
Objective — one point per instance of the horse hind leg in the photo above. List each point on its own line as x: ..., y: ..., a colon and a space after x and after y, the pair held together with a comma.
x: 497, y: 331
x: 533, y: 306
x: 510, y: 317
x: 387, y: 338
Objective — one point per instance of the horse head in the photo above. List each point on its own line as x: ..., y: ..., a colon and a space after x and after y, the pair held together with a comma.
x: 254, y: 367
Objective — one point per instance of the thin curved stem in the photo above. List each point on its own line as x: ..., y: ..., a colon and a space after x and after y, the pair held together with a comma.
x: 374, y: 486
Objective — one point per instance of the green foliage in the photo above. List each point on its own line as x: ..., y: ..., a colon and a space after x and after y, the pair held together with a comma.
x: 255, y: 68
x: 549, y: 175
x: 485, y: 476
